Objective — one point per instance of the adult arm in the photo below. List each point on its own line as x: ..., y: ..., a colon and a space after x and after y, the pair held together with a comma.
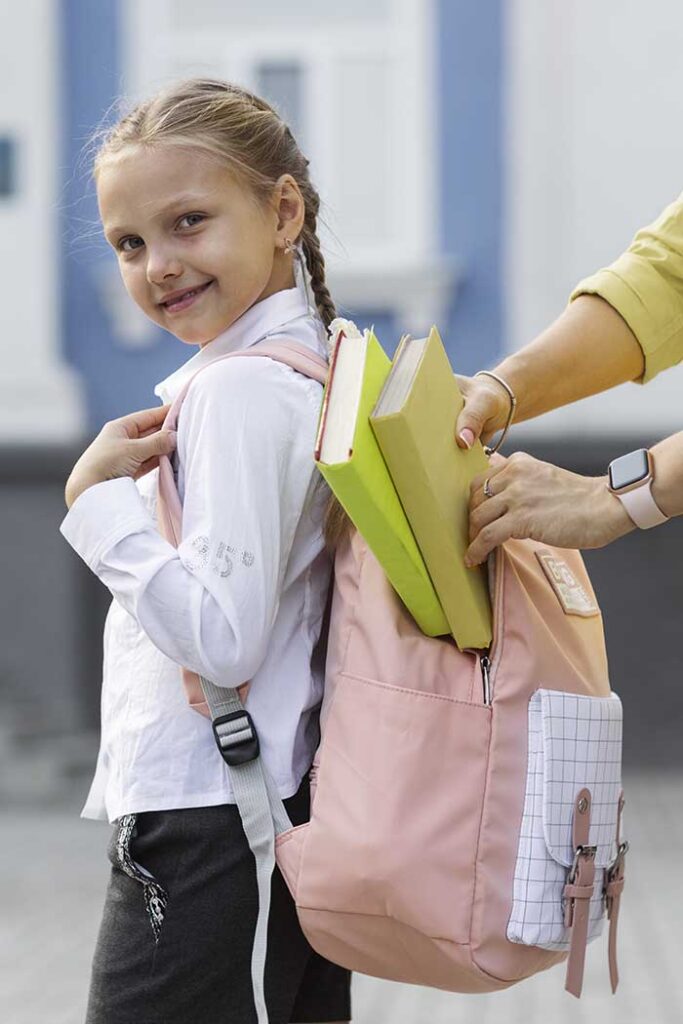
x: 623, y: 323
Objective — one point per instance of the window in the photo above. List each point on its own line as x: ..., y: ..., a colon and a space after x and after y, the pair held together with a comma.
x: 282, y: 84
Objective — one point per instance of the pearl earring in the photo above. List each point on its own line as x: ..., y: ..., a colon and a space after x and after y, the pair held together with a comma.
x: 288, y: 248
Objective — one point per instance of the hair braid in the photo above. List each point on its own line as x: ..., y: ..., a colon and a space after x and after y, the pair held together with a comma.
x: 316, y: 267
x: 336, y: 521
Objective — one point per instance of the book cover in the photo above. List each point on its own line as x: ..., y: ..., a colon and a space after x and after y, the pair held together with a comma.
x: 432, y: 476
x: 362, y: 484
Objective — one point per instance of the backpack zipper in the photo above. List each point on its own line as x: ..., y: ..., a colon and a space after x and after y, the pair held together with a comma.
x: 485, y: 663
x: 487, y: 657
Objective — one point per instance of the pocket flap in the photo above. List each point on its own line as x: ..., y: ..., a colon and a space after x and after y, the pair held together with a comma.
x: 579, y: 739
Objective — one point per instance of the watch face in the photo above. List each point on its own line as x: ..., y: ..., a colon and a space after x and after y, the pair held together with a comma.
x: 628, y: 469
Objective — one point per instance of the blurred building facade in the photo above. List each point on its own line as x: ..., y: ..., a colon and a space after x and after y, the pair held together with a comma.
x: 474, y: 161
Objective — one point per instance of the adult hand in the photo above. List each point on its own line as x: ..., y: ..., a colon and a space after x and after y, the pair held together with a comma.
x: 128, y: 446
x: 486, y: 409
x: 543, y: 502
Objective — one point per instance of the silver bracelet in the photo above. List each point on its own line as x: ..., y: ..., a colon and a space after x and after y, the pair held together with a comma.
x: 511, y: 414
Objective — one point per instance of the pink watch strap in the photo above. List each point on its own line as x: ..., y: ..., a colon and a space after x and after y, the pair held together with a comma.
x: 642, y: 507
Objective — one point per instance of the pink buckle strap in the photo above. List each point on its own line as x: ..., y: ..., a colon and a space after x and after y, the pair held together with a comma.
x: 614, y: 886
x: 578, y: 892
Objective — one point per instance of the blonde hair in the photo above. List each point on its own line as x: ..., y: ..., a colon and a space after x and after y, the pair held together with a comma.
x: 248, y: 135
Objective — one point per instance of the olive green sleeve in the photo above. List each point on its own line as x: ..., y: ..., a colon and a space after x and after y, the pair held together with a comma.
x: 645, y: 286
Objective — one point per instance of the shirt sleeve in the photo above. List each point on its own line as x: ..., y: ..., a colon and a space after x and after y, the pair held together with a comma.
x: 245, y: 441
x: 645, y: 285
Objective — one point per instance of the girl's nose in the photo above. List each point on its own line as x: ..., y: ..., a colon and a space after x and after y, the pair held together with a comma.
x: 162, y: 264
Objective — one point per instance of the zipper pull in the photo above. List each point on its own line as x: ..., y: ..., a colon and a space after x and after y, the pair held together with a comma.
x: 485, y: 663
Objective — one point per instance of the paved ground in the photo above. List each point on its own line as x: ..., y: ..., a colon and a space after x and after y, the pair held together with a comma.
x: 52, y: 876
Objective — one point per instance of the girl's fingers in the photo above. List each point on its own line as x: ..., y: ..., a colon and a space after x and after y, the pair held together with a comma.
x: 142, y: 422
x: 146, y: 467
x: 149, y: 431
x: 160, y: 442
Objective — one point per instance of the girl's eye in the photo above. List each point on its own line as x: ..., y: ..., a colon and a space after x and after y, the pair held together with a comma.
x: 131, y: 238
x: 195, y: 218
x: 131, y: 243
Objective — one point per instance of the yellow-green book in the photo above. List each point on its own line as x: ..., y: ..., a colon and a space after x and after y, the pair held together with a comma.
x: 349, y: 458
x: 414, y: 423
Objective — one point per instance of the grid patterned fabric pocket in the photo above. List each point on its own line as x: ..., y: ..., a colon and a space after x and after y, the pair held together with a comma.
x: 574, y: 741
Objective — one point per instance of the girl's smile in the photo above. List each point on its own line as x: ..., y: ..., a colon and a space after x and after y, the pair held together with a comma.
x: 180, y: 300
x: 195, y: 247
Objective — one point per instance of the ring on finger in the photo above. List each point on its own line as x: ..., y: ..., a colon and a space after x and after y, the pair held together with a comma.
x: 488, y: 493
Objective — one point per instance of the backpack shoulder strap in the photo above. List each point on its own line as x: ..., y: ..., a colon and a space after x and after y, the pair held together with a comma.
x: 292, y: 353
x: 261, y: 810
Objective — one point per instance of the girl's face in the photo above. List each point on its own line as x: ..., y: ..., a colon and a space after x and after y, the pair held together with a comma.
x: 195, y: 249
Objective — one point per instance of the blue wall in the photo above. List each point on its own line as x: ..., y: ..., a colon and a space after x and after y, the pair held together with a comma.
x: 469, y: 93
x: 468, y: 85
x: 117, y: 380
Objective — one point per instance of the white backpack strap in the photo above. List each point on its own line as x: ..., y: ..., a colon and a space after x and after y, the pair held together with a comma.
x: 260, y: 807
x: 259, y: 804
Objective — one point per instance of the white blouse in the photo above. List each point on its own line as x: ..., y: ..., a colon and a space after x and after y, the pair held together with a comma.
x: 243, y: 595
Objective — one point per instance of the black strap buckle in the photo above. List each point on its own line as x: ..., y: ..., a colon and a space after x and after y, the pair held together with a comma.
x: 236, y: 738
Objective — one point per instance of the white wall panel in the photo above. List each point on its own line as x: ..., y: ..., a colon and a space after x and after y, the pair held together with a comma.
x: 41, y: 400
x: 594, y: 111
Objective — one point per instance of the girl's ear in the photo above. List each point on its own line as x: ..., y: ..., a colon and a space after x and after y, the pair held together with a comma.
x: 290, y: 210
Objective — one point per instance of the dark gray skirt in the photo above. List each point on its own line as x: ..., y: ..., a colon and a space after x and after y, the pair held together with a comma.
x: 175, y: 942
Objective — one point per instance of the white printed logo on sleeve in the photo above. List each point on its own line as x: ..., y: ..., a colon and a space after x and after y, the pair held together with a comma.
x: 574, y: 741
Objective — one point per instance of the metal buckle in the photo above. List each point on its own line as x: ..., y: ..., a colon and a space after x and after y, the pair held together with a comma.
x: 612, y: 871
x: 588, y: 852
x: 236, y: 738
x: 621, y: 853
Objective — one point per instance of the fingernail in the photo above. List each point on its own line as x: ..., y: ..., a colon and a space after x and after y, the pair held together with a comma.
x: 467, y: 437
x: 173, y: 436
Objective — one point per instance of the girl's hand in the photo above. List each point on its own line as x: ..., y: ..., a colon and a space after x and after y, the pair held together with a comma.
x: 128, y: 446
x: 486, y: 409
x: 537, y: 500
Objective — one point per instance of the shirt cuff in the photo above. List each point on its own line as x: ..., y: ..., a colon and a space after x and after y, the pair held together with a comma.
x: 102, y: 515
x: 646, y: 302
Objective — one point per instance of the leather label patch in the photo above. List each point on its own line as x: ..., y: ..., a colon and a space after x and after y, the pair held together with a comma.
x: 573, y: 597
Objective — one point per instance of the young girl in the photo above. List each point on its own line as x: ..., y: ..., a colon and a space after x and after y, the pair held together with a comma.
x: 207, y: 202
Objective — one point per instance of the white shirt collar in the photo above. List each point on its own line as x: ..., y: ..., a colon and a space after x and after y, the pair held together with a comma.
x: 262, y: 318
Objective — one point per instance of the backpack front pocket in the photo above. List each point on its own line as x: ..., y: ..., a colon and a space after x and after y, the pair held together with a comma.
x: 574, y: 744
x: 397, y: 810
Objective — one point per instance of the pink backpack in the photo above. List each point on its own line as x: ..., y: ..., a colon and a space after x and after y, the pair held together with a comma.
x: 465, y: 806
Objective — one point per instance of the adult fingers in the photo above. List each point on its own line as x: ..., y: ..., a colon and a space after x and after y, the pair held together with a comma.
x: 496, y: 467
x: 487, y: 512
x: 488, y: 538
x: 484, y: 411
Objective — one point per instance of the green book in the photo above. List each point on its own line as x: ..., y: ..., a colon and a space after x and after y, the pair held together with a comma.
x: 348, y: 456
x: 414, y: 423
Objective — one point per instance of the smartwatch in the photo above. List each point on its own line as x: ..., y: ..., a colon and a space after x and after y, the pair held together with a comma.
x: 630, y: 478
